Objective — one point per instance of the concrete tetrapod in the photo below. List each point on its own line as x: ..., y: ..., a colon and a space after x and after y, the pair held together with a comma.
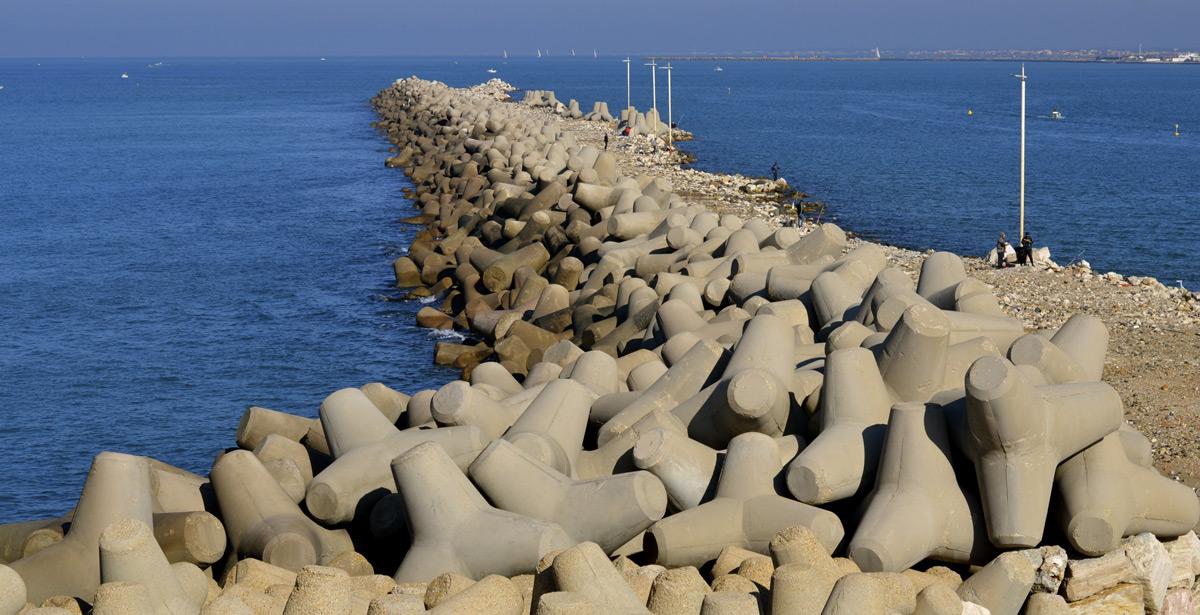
x: 1107, y: 497
x: 685, y: 378
x: 128, y: 553
x: 585, y: 570
x: 117, y: 488
x: 1085, y: 338
x: 351, y: 420
x: 1019, y: 433
x: 917, y: 510
x: 336, y: 493
x: 608, y: 511
x: 494, y: 595
x: 263, y: 522
x: 941, y: 273
x: 320, y: 590
x: 616, y: 455
x: 119, y: 598
x: 843, y: 458
x: 551, y: 429
x: 882, y: 593
x: 687, y: 468
x: 455, y: 530
x: 912, y: 359
x: 458, y: 403
x: 746, y: 511
x: 753, y: 392
x: 1002, y: 585
x: 12, y: 591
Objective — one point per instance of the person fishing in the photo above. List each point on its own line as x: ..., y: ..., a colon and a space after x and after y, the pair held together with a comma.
x: 606, y: 141
x: 775, y: 171
x: 1025, y: 251
x: 1001, y: 252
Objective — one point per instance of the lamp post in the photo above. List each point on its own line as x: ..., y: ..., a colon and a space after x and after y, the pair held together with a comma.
x: 670, y: 125
x: 1021, y: 227
x: 654, y: 95
x: 627, y: 99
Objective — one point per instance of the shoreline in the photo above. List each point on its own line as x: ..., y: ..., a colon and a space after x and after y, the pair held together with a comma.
x: 663, y: 367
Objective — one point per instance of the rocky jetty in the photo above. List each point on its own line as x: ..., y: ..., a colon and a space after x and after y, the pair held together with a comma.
x: 664, y: 410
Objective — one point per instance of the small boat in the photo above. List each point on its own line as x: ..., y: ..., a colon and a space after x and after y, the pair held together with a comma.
x: 155, y: 65
x: 539, y: 53
x: 970, y: 112
x: 718, y: 69
x: 491, y: 71
x: 572, y: 52
x: 1176, y: 126
x: 594, y: 56
x: 1055, y: 114
x: 322, y: 59
x: 124, y: 75
x: 505, y: 54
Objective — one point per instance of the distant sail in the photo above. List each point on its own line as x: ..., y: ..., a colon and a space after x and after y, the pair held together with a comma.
x: 594, y: 56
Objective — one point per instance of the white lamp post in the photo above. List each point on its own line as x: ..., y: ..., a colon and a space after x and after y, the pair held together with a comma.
x: 627, y: 99
x: 1021, y: 227
x: 670, y: 125
x: 654, y: 95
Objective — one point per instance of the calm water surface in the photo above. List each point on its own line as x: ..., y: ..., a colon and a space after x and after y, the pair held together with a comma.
x: 211, y: 234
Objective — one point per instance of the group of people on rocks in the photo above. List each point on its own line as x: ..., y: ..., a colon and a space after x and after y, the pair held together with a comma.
x: 1024, y: 251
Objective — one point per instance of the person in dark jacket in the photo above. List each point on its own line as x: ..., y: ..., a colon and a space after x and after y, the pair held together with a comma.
x: 1025, y: 251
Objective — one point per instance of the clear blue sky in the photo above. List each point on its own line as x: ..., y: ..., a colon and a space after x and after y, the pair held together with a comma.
x: 398, y: 27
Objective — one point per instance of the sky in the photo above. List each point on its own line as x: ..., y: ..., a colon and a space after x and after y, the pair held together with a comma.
x: 165, y: 28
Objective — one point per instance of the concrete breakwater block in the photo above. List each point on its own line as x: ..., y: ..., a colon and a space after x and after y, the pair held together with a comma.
x: 662, y: 410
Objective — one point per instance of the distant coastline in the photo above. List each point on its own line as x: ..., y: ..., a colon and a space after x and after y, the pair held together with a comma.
x: 1172, y: 57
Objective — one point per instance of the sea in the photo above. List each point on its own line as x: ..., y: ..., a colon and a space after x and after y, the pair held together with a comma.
x: 213, y: 233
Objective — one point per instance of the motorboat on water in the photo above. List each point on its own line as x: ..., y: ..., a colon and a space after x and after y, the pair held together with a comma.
x: 491, y: 71
x: 718, y: 69
x: 1055, y: 114
x: 124, y: 75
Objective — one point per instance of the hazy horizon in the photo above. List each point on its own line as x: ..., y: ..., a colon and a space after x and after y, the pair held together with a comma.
x: 278, y: 28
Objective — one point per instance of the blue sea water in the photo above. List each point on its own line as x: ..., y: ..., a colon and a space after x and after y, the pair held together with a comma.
x: 215, y: 233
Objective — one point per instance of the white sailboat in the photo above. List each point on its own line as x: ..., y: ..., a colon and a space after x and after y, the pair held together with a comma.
x: 505, y: 54
x: 594, y: 56
x: 491, y: 71
x: 572, y: 52
x: 124, y: 75
x: 539, y: 53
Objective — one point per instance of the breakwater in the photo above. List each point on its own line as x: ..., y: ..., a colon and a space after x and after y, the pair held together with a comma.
x: 679, y: 389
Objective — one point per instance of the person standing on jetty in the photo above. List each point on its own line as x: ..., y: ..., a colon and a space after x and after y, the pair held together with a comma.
x: 606, y: 141
x: 775, y: 171
x: 1025, y: 251
x: 1001, y: 252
